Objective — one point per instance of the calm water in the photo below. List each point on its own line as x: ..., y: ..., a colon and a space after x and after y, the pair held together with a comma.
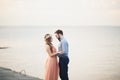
x: 94, y: 51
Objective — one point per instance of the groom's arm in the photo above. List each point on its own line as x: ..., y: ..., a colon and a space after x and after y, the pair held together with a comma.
x: 57, y: 54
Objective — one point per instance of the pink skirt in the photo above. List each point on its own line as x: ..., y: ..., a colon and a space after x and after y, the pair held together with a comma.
x: 52, y: 69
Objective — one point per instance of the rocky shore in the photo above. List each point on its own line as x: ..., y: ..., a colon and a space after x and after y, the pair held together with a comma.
x: 8, y: 74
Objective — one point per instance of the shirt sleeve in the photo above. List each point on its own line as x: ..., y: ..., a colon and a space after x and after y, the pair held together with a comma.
x: 64, y: 46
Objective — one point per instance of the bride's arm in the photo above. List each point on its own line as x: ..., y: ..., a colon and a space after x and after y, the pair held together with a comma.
x: 49, y: 52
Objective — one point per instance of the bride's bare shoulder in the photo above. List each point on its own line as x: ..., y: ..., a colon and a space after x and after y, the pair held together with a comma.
x: 47, y: 46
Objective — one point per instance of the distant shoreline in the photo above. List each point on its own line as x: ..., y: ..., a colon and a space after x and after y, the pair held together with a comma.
x: 4, y: 47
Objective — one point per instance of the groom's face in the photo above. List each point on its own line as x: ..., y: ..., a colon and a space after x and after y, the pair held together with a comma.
x: 57, y: 36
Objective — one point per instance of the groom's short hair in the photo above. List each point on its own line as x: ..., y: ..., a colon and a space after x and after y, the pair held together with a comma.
x: 59, y: 31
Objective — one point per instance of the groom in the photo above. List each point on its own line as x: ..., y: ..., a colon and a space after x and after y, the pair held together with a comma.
x: 63, y: 58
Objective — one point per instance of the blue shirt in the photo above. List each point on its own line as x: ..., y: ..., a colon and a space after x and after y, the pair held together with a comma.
x: 63, y: 46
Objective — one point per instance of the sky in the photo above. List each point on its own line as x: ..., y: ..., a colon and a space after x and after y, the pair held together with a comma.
x: 59, y: 12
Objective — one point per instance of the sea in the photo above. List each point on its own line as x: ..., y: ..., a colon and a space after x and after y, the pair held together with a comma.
x: 94, y: 51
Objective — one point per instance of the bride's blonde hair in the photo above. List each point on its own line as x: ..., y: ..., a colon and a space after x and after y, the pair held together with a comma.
x: 48, y: 38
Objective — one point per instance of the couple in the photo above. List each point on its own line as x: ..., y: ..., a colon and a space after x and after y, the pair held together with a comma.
x: 53, y: 68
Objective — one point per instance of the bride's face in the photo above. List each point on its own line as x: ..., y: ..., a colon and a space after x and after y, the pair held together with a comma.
x: 51, y: 39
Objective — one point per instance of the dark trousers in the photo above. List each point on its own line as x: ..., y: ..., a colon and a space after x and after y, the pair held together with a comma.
x: 63, y: 64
